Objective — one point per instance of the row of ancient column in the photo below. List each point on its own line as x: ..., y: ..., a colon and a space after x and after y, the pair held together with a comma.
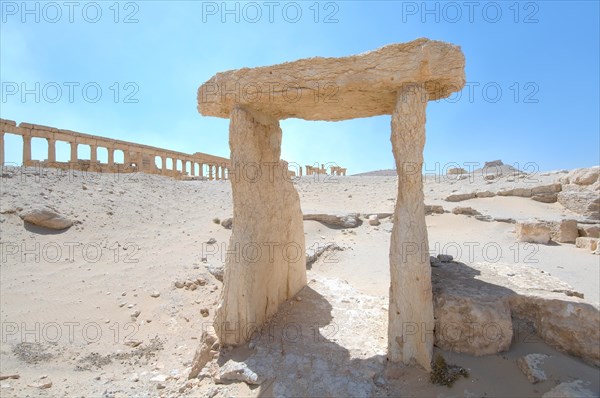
x: 132, y: 160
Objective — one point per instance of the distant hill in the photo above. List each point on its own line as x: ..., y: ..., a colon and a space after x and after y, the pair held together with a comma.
x: 378, y: 173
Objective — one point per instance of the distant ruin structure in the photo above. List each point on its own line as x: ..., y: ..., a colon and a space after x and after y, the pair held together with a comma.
x: 136, y: 157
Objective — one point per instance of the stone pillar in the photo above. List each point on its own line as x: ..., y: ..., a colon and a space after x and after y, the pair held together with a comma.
x: 1, y: 148
x: 93, y: 153
x: 201, y: 169
x: 111, y: 157
x: 266, y: 212
x: 51, y: 150
x: 410, y: 326
x: 26, y: 150
x: 210, y: 172
x: 73, y: 152
x: 164, y: 164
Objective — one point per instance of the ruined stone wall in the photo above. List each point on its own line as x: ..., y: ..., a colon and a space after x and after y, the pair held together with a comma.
x: 136, y: 157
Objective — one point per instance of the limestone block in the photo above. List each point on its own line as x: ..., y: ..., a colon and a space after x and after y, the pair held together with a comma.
x: 472, y: 325
x: 591, y: 231
x: 590, y: 244
x: 459, y: 197
x: 565, y: 231
x: 533, y: 232
x: 337, y: 88
x: 551, y: 188
x: 522, y: 192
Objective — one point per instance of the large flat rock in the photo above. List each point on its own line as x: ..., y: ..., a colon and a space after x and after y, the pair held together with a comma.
x: 474, y: 305
x: 337, y: 88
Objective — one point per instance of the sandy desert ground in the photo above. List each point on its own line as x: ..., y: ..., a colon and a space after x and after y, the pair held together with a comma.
x: 94, y: 311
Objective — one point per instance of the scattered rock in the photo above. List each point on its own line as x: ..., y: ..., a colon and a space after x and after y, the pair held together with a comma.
x: 433, y: 209
x: 10, y: 376
x: 227, y: 223
x: 545, y: 197
x: 374, y: 220
x: 590, y: 244
x: 155, y: 294
x: 445, y: 258
x: 468, y: 211
x: 203, y: 353
x: 313, y: 255
x: 132, y: 343
x: 533, y: 232
x: 216, y: 270
x: 45, y: 217
x: 204, y: 312
x: 521, y: 192
x: 42, y: 385
x: 211, y: 241
x: 485, y: 194
x: 350, y: 220
x: 530, y: 366
x: 573, y: 389
x: 459, y: 197
x: 237, y: 371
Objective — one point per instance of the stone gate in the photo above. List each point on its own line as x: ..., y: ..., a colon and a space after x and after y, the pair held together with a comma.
x: 397, y: 80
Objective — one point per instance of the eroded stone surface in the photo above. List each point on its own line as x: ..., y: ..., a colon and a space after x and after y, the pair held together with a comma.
x: 267, y: 215
x: 410, y: 270
x: 337, y: 88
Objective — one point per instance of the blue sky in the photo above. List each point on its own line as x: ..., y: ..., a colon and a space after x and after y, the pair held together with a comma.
x: 542, y: 56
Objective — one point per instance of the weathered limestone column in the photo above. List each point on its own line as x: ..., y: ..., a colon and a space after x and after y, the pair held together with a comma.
x: 73, y: 152
x: 410, y: 327
x: 201, y: 169
x: 111, y: 157
x: 51, y: 150
x: 26, y: 150
x: 210, y: 172
x: 93, y: 153
x: 1, y: 148
x: 265, y: 263
x: 163, y: 169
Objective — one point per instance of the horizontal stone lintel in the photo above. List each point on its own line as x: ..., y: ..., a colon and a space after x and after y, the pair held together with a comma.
x: 332, y: 89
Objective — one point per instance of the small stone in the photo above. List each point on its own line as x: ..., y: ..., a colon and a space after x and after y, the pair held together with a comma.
x: 155, y: 294
x: 160, y: 386
x: 179, y: 284
x: 445, y: 258
x: 530, y: 366
x: 132, y: 343
x: 374, y: 220
x: 211, y: 241
x: 204, y: 312
x: 135, y: 313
